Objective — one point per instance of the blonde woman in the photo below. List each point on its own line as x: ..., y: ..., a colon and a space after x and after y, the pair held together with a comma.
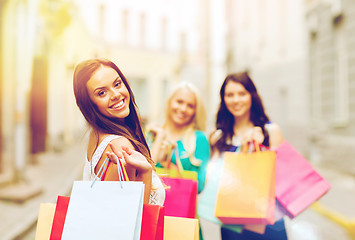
x: 182, y: 133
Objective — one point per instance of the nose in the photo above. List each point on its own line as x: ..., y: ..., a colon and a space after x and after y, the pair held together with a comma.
x: 114, y: 94
x: 236, y: 98
x: 183, y: 107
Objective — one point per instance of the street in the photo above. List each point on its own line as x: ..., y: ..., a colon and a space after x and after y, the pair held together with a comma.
x: 311, y: 224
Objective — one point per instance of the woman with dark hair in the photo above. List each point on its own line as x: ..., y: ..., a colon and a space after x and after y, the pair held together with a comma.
x: 241, y: 120
x: 106, y: 100
x: 241, y: 117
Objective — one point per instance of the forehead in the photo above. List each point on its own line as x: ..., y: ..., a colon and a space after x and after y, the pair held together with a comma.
x: 232, y: 86
x: 102, y: 76
x: 185, y: 94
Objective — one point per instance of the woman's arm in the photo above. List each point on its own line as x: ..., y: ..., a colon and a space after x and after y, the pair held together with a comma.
x: 160, y: 146
x: 202, y: 153
x: 137, y: 166
x: 275, y: 135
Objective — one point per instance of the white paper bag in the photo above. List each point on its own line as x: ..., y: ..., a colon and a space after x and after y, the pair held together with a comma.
x: 104, y: 211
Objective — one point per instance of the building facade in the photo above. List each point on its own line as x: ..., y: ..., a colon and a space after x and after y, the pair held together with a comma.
x: 268, y: 39
x: 41, y: 42
x: 332, y: 82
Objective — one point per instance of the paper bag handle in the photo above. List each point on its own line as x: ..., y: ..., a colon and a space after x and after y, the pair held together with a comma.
x: 256, y: 147
x: 121, y: 170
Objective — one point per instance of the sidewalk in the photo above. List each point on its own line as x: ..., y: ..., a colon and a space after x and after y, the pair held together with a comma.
x: 338, y: 203
x: 54, y: 174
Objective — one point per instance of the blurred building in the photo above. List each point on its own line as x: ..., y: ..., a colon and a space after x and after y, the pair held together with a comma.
x: 17, y: 23
x: 332, y: 82
x: 155, y: 43
x: 40, y: 42
x: 268, y: 39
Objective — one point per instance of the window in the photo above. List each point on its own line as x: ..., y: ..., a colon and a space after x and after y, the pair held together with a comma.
x: 125, y: 15
x: 341, y: 79
x: 142, y: 29
x: 101, y: 19
x: 316, y: 81
x: 164, y: 33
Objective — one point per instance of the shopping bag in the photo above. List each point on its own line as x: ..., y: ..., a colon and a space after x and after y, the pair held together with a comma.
x: 59, y: 217
x: 177, y: 228
x: 207, y: 199
x: 180, y: 197
x: 280, y: 213
x: 44, y: 221
x: 152, y: 222
x: 104, y: 209
x: 298, y: 184
x: 176, y: 171
x: 246, y: 192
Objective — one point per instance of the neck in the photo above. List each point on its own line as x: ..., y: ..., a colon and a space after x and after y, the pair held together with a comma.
x: 242, y: 123
x: 175, y: 132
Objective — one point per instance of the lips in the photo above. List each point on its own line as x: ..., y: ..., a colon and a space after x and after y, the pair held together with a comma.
x: 119, y: 105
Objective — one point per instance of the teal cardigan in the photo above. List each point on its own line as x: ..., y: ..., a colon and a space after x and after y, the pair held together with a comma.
x: 202, y: 152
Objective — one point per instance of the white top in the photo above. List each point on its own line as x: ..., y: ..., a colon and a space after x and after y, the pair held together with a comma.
x: 157, y: 194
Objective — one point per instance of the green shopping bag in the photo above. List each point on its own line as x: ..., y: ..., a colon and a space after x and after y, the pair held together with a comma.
x: 207, y: 200
x: 176, y: 171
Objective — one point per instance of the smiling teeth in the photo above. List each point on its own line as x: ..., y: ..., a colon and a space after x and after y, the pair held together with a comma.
x: 118, y: 104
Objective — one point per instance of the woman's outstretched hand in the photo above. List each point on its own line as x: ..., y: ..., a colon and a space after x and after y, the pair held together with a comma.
x: 134, y: 160
x: 131, y: 158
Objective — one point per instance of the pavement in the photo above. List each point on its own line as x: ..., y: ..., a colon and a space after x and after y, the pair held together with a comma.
x: 332, y: 219
x: 51, y: 175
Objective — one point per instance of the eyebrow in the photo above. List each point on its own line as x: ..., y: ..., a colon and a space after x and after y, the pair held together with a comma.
x: 99, y: 88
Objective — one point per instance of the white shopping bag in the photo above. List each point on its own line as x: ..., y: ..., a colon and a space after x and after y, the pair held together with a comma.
x: 104, y: 210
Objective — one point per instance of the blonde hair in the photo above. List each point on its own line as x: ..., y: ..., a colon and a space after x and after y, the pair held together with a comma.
x: 199, y: 119
x: 198, y: 122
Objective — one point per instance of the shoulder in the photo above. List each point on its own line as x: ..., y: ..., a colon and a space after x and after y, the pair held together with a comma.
x: 273, y: 128
x: 215, y: 136
x: 121, y: 141
x: 201, y: 136
x: 200, y: 133
x: 275, y: 134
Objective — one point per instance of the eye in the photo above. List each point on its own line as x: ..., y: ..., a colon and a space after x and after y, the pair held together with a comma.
x: 229, y: 95
x: 118, y: 83
x: 101, y: 93
x: 191, y: 106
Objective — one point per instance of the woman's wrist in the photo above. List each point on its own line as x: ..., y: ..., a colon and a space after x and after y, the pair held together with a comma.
x: 145, y: 177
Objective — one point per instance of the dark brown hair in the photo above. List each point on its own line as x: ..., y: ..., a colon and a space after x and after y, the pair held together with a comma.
x: 130, y: 127
x: 225, y: 119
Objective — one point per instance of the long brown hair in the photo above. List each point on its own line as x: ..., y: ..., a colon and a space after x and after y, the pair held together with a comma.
x: 225, y: 119
x: 130, y: 127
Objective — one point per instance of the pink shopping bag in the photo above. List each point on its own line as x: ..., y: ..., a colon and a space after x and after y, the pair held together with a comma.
x: 298, y: 184
x: 181, y: 197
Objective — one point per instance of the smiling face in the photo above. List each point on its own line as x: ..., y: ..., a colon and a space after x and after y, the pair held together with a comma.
x: 108, y: 92
x: 237, y: 99
x: 182, y: 107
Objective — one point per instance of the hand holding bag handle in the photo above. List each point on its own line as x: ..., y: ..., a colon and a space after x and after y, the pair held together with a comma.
x: 122, y: 174
x: 246, y: 193
x: 178, y: 171
x: 105, y: 209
